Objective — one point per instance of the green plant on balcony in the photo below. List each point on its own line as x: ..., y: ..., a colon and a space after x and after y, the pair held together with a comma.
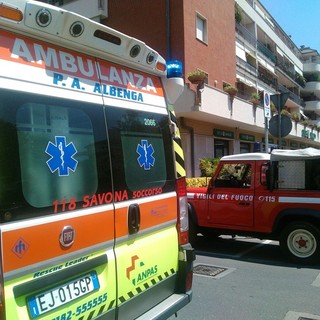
x: 285, y: 112
x: 255, y: 98
x: 295, y: 116
x: 305, y: 122
x: 273, y: 108
x: 231, y: 90
x: 237, y: 13
x: 196, y: 76
x: 300, y: 79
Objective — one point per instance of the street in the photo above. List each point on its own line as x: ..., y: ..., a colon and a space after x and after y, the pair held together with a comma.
x: 248, y: 279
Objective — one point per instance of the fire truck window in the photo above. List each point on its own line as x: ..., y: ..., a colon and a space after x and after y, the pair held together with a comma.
x: 312, y: 174
x: 234, y: 176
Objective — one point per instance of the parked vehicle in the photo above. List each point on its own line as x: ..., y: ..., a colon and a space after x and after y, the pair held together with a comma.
x: 93, y: 206
x: 267, y: 196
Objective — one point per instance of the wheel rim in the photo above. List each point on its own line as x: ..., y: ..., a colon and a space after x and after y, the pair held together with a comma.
x: 302, y: 243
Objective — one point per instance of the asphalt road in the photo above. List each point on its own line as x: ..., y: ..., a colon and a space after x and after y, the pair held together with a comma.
x: 249, y: 279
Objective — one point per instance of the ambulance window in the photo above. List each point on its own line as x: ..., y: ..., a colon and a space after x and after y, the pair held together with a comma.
x: 57, y: 156
x: 53, y: 157
x: 141, y: 152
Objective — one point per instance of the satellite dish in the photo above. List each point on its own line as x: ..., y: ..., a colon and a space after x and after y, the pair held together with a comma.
x: 286, y: 126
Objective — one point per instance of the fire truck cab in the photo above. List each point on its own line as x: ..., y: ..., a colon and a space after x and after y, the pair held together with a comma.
x: 269, y: 196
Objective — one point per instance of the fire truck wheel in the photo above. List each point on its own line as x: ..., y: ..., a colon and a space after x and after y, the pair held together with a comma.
x: 300, y: 241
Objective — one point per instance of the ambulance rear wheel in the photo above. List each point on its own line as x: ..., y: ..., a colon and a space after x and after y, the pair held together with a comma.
x: 193, y: 232
x: 193, y: 227
x: 300, y: 241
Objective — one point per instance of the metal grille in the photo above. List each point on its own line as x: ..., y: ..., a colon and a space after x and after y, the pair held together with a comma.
x: 208, y: 270
x: 291, y: 174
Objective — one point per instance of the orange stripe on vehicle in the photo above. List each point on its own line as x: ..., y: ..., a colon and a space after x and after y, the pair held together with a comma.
x: 29, y: 245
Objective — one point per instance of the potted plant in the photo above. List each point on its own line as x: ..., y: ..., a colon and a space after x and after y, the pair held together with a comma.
x: 231, y: 90
x: 237, y: 13
x: 285, y: 112
x: 255, y: 98
x: 305, y: 122
x: 295, y: 116
x: 196, y: 76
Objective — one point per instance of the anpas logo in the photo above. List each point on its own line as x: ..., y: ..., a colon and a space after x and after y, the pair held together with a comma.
x: 142, y: 275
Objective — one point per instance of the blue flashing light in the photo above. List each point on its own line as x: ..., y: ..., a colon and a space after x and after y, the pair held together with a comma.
x: 174, y: 69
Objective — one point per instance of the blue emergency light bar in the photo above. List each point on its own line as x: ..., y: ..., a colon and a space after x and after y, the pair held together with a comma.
x: 174, y: 69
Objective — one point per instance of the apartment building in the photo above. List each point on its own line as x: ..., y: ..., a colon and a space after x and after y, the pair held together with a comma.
x: 234, y: 43
x: 311, y: 92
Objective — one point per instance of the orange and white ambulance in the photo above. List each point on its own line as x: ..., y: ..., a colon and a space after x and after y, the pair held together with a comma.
x: 93, y: 207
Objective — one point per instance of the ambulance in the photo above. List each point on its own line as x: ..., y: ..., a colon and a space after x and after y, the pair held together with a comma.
x: 93, y: 207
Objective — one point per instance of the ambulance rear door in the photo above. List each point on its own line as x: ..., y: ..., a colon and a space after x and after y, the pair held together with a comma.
x: 146, y: 246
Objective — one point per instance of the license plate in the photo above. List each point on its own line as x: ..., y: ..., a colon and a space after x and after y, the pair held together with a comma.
x: 51, y: 299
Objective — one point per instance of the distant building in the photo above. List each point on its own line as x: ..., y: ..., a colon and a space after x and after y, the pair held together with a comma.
x: 235, y: 43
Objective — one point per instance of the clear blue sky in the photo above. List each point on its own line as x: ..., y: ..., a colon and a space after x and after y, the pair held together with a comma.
x: 298, y: 18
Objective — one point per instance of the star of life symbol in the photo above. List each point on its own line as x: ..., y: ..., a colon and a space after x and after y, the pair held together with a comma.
x: 61, y: 156
x: 146, y: 158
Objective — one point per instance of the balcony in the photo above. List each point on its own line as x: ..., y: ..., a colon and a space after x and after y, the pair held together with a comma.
x: 266, y: 52
x: 246, y: 66
x: 313, y: 106
x: 311, y: 67
x: 246, y: 34
x: 292, y: 96
x: 286, y: 68
x: 312, y: 87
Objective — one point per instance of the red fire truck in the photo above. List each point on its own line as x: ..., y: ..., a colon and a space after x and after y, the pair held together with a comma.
x: 269, y: 196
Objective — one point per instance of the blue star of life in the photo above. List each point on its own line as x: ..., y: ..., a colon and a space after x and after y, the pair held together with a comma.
x: 61, y: 156
x: 146, y: 158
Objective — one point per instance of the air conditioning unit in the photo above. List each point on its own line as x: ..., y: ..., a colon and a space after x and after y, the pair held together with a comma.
x: 94, y: 9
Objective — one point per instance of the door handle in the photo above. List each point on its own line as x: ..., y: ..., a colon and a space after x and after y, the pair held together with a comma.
x: 133, y: 218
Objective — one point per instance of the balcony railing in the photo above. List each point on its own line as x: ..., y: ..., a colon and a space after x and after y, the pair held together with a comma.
x: 272, y: 82
x: 246, y: 34
x: 246, y: 66
x: 292, y: 96
x: 285, y: 68
x: 266, y: 52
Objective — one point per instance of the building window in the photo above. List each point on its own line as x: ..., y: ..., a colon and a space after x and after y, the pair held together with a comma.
x: 221, y: 148
x: 201, y: 28
x: 244, y: 147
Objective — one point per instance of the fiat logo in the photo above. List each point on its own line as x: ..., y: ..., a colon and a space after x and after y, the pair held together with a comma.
x: 67, y: 236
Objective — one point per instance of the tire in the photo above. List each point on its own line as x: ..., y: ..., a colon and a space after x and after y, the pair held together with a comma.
x: 300, y: 241
x: 193, y: 227
x: 193, y: 232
